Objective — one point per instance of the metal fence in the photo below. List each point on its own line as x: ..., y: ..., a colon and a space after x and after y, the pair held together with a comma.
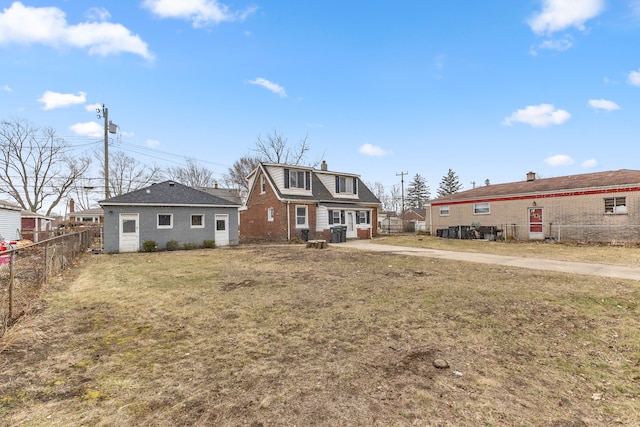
x: 573, y: 233
x: 24, y: 271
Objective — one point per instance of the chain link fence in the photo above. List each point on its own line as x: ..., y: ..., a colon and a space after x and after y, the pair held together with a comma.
x: 24, y: 271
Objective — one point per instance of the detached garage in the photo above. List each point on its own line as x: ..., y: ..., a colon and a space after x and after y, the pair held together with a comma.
x: 168, y: 211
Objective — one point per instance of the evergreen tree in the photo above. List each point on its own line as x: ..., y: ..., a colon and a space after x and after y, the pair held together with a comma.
x: 449, y: 184
x: 417, y: 192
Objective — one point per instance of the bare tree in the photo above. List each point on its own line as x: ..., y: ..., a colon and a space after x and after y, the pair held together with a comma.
x: 191, y: 175
x: 395, y: 199
x: 36, y: 167
x: 237, y: 174
x: 275, y: 148
x: 126, y: 173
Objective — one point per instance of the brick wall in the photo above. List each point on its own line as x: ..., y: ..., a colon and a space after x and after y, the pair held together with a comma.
x: 568, y: 218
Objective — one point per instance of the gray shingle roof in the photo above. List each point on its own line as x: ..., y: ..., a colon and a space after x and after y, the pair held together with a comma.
x: 623, y: 177
x: 322, y: 194
x: 168, y: 193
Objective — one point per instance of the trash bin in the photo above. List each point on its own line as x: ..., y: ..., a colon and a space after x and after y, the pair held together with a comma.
x: 343, y: 234
x: 305, y: 234
x: 335, y: 234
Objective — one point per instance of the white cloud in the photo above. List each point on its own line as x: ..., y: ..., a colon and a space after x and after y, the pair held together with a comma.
x: 93, y: 108
x: 373, y: 150
x: 588, y: 164
x: 91, y: 129
x: 559, y: 160
x: 6, y: 88
x: 538, y: 116
x: 634, y: 78
x: 200, y: 12
x: 48, y: 26
x: 603, y: 104
x: 152, y: 143
x: 439, y: 61
x: 273, y: 87
x: 52, y: 100
x: 559, y: 45
x: 558, y: 15
x: 634, y: 5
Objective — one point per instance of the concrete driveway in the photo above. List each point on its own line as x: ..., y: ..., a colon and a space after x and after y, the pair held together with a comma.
x: 604, y: 270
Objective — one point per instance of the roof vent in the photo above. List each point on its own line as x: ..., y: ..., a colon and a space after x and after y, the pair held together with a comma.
x: 531, y: 176
x: 172, y: 184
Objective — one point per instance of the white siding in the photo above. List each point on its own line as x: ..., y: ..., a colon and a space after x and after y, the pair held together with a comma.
x: 322, y: 218
x: 329, y: 181
x: 10, y: 224
x: 277, y: 173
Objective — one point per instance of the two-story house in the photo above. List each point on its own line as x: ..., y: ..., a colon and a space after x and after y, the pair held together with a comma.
x: 288, y: 202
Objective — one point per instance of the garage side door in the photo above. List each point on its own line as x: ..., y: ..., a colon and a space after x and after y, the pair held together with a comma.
x: 129, y: 233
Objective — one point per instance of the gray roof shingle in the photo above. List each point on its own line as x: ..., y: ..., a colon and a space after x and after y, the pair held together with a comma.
x: 623, y: 177
x: 168, y: 193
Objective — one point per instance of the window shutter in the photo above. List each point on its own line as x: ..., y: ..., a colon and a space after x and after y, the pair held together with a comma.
x: 337, y: 184
x: 357, y: 217
x: 286, y: 178
x: 342, y: 221
x: 308, y: 180
x: 330, y: 216
x: 355, y: 185
x: 368, y: 217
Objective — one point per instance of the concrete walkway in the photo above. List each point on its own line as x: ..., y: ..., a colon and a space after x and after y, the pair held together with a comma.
x: 604, y: 270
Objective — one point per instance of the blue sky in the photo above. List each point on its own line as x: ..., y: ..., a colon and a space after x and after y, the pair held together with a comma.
x: 491, y: 89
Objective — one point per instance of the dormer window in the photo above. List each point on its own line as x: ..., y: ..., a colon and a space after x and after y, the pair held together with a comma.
x: 346, y: 184
x: 297, y: 179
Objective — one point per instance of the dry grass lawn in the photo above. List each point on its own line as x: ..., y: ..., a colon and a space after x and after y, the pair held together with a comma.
x: 289, y: 336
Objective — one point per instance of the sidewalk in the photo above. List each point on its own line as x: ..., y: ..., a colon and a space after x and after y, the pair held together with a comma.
x: 604, y: 270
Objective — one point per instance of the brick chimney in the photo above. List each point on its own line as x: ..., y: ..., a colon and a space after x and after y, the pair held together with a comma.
x: 323, y: 166
x: 531, y: 176
x: 72, y: 206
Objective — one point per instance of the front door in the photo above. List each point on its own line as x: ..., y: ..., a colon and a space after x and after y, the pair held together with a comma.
x: 351, y: 228
x: 129, y: 236
x: 536, y: 224
x: 222, y: 230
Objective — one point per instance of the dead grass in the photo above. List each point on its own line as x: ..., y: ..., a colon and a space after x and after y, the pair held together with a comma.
x: 261, y: 336
x: 628, y: 254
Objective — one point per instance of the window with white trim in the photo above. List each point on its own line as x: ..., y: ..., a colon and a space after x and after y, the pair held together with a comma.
x: 346, y: 184
x: 270, y: 214
x: 481, y: 208
x: 301, y: 217
x: 336, y: 216
x: 297, y: 179
x: 615, y: 205
x: 263, y: 184
x: 363, y: 217
x: 444, y: 211
x: 197, y: 221
x: 165, y: 220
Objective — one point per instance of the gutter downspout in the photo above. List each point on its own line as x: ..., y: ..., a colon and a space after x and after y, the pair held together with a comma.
x: 288, y: 221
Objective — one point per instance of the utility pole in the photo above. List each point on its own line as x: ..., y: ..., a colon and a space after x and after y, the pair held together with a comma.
x: 108, y: 128
x: 402, y: 174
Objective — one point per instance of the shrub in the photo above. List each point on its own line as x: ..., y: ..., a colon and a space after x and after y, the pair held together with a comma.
x: 149, y: 246
x: 172, y: 245
x: 209, y: 244
x: 189, y: 245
